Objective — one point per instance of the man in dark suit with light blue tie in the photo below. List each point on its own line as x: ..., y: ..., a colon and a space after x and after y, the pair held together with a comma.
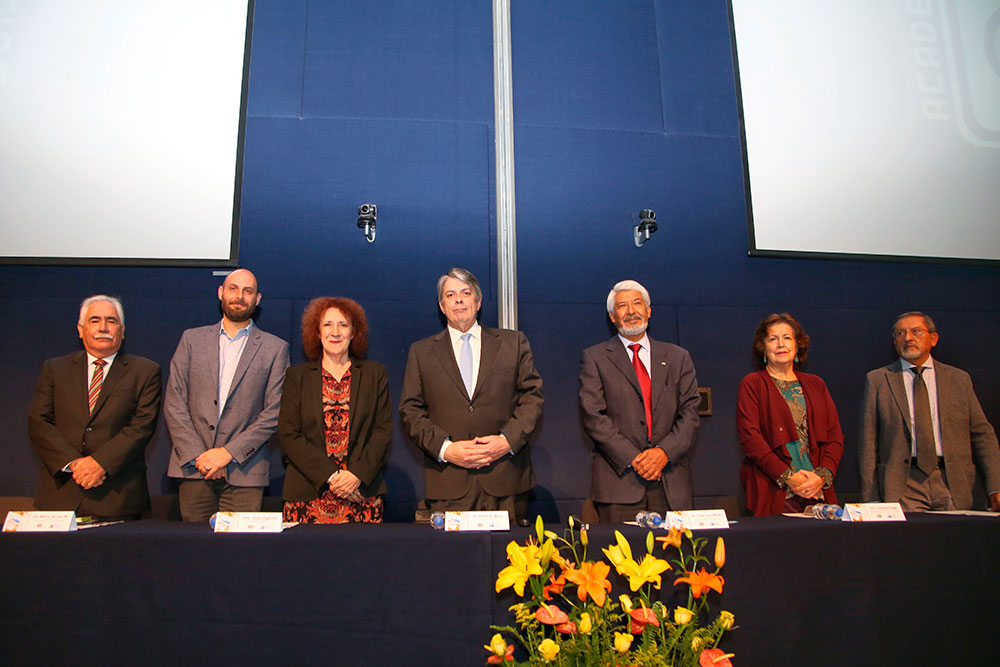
x: 471, y: 399
x: 923, y: 432
x: 639, y: 407
x: 221, y: 406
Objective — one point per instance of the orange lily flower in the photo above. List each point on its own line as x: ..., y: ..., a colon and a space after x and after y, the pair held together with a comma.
x: 557, y: 585
x: 671, y: 539
x: 591, y: 579
x: 701, y: 581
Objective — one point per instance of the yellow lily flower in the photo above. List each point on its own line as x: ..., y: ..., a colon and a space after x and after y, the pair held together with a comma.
x: 549, y: 649
x: 647, y: 571
x: 623, y: 641
x: 626, y: 603
x: 524, y: 562
x: 726, y: 620
x: 586, y: 625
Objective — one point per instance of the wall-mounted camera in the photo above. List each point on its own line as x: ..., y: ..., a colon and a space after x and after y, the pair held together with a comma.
x: 645, y: 228
x: 367, y: 214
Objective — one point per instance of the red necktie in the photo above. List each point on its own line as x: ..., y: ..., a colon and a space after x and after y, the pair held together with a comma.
x: 96, y: 382
x: 645, y: 385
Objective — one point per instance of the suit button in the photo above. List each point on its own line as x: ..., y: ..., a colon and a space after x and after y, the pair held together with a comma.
x: 89, y: 429
x: 471, y: 409
x: 211, y: 428
x: 215, y: 402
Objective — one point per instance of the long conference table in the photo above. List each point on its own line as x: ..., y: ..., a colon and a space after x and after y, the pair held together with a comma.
x: 804, y: 592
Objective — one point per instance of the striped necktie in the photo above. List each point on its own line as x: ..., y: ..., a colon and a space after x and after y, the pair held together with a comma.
x: 96, y: 382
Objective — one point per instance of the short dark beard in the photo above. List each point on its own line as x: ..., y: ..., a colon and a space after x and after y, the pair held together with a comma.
x: 237, y: 316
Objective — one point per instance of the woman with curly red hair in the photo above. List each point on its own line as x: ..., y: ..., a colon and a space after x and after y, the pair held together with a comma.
x: 335, y: 423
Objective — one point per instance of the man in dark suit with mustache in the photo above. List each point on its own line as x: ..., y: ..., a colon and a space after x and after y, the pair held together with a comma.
x: 470, y: 401
x: 91, y: 417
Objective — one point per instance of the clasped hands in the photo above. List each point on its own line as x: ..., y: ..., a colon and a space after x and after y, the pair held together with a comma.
x: 649, y: 463
x: 212, y: 462
x: 344, y: 484
x: 807, y: 484
x: 87, y: 472
x: 478, y: 452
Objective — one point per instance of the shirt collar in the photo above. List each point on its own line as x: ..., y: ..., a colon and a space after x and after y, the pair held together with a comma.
x: 928, y: 363
x: 644, y: 341
x: 91, y: 359
x: 456, y: 335
x: 245, y: 331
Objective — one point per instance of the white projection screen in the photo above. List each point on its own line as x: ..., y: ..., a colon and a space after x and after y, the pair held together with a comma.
x: 121, y: 130
x: 871, y: 127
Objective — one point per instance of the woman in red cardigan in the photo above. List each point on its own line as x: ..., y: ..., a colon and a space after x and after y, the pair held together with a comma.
x: 787, y: 424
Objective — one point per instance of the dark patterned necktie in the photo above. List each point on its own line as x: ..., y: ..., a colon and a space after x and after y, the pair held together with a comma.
x: 924, y: 427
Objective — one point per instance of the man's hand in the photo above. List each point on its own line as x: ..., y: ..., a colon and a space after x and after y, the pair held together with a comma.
x: 649, y: 463
x: 995, y: 502
x: 87, y: 472
x: 496, y: 446
x: 212, y: 463
x: 468, y: 454
x: 807, y: 484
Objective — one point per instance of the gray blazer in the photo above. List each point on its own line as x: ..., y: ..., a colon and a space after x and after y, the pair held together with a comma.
x: 614, y: 418
x: 885, y: 440
x: 250, y: 417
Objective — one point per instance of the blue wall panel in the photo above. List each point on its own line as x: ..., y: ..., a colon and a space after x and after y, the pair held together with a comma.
x: 400, y: 59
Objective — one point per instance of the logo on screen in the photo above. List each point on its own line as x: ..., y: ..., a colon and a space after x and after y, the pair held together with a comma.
x: 972, y: 38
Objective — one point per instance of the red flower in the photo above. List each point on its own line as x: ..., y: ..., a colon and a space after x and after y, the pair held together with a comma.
x: 641, y: 617
x: 550, y: 615
x: 714, y: 657
x: 567, y: 628
x: 508, y: 657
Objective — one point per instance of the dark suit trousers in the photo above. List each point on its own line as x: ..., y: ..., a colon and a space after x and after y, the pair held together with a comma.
x: 655, y: 500
x: 201, y: 498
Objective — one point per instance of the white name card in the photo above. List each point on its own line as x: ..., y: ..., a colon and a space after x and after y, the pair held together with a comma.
x: 873, y: 512
x: 39, y: 522
x: 498, y: 520
x: 697, y: 520
x: 248, y: 522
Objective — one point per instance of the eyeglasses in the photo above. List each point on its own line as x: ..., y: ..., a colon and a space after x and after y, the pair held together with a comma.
x: 918, y: 332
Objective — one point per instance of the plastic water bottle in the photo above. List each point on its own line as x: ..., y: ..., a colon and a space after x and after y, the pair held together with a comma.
x: 826, y: 511
x: 437, y: 520
x: 649, y: 519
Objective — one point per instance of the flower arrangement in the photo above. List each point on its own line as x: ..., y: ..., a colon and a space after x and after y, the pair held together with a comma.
x: 569, y: 617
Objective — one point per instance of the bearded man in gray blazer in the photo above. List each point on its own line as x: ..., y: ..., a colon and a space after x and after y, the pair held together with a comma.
x: 640, y: 440
x: 917, y: 395
x: 471, y: 399
x: 221, y: 406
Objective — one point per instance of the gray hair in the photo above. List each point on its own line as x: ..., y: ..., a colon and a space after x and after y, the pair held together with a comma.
x: 915, y: 313
x: 463, y: 275
x: 90, y: 300
x: 623, y: 286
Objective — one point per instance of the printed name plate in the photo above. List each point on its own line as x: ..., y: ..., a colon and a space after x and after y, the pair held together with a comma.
x: 248, y: 522
x: 873, y: 512
x: 39, y: 522
x: 697, y: 519
x: 499, y: 520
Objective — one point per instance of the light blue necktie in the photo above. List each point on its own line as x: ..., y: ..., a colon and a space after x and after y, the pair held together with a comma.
x: 465, y: 363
